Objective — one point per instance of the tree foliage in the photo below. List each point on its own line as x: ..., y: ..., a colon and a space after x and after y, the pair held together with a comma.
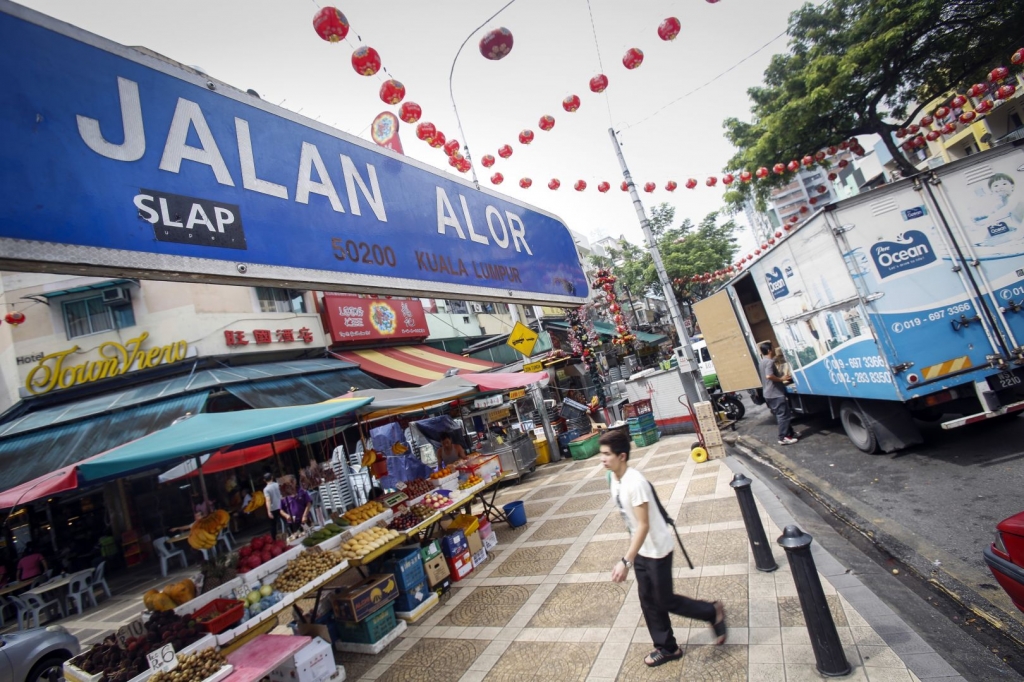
x: 861, y: 67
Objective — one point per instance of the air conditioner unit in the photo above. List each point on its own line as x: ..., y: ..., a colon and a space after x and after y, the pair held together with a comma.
x: 476, y: 307
x: 116, y: 296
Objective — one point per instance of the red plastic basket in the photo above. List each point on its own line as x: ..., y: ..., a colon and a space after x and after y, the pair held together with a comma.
x: 230, y: 612
x: 636, y: 409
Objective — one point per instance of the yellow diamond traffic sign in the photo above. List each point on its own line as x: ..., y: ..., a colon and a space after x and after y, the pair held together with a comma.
x: 522, y: 339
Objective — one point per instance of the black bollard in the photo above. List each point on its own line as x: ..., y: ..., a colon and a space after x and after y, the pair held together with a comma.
x: 752, y: 520
x: 828, y: 650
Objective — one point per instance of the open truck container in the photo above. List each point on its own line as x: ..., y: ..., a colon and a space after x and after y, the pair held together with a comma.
x: 899, y: 303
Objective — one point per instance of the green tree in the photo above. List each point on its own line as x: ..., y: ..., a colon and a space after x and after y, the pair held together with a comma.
x: 862, y: 67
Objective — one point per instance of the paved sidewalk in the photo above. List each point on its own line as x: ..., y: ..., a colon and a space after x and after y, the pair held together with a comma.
x: 544, y: 607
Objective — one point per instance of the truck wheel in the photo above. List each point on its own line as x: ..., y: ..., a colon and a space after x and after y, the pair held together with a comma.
x: 857, y: 429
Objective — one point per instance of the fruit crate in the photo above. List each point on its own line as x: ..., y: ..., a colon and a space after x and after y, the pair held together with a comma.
x: 447, y: 482
x: 371, y: 629
x: 642, y: 423
x: 645, y: 438
x: 230, y: 610
x: 638, y: 408
x: 406, y: 565
x: 585, y: 448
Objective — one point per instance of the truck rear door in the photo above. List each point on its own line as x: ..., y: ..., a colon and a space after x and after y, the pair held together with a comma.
x: 727, y: 342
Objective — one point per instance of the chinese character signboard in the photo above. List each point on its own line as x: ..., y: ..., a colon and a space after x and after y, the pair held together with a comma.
x: 351, y: 319
x: 263, y: 336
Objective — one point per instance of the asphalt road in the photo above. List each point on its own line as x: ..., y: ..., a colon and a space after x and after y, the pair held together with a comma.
x: 932, y: 508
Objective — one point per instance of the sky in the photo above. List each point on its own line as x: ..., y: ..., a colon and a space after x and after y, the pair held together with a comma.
x: 271, y: 47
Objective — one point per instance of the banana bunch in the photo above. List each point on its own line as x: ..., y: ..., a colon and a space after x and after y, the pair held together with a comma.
x: 399, y: 448
x: 203, y: 534
x: 257, y: 501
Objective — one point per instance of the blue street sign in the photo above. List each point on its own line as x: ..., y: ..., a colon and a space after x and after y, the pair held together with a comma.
x: 117, y: 162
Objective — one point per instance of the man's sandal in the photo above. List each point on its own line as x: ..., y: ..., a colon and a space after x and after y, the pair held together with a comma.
x: 719, y: 625
x: 659, y: 657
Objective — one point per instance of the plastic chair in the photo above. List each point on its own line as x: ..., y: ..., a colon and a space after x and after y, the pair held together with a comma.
x: 79, y: 588
x: 6, y: 604
x: 41, y: 578
x: 166, y: 554
x: 31, y: 606
x: 97, y: 579
x: 227, y: 538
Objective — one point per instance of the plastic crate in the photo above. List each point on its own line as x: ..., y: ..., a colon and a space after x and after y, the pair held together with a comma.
x: 406, y: 565
x: 585, y: 448
x: 642, y: 423
x: 645, y: 438
x: 371, y: 629
x: 638, y: 408
x: 231, y: 611
x: 409, y: 600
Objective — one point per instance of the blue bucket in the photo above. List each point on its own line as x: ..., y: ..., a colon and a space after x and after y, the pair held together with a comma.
x: 515, y: 513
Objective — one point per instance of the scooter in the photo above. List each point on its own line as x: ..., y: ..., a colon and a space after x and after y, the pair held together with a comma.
x: 727, y: 402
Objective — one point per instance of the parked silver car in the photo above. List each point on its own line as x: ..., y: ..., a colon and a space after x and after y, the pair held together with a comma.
x: 32, y: 655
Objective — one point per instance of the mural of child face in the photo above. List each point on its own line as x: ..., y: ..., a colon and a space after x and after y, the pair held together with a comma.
x: 1002, y: 187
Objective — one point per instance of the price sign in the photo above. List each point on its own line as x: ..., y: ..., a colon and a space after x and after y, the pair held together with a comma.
x: 533, y: 367
x: 163, y: 659
x: 126, y: 632
x: 517, y: 394
x: 241, y: 592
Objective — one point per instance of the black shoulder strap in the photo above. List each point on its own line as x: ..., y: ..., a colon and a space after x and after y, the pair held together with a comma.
x: 670, y: 522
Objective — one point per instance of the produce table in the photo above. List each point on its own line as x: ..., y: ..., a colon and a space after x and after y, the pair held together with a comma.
x: 254, y: 660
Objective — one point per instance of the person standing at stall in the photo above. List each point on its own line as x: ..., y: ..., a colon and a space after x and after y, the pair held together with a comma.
x: 450, y: 452
x: 296, y: 506
x: 272, y: 494
x: 32, y: 564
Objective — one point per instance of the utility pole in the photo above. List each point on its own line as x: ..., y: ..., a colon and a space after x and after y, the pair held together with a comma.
x: 693, y: 384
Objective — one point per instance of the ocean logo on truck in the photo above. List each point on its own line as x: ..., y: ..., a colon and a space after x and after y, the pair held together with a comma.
x: 776, y: 283
x: 911, y: 250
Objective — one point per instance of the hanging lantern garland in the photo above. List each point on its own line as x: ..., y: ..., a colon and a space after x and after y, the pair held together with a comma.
x: 606, y: 282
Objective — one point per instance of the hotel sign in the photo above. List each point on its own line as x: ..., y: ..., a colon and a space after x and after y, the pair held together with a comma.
x: 56, y: 370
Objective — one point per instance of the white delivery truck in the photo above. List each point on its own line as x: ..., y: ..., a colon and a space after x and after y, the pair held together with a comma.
x: 905, y: 302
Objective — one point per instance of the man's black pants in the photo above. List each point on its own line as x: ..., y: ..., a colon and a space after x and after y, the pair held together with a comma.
x: 654, y: 583
x: 275, y: 522
x: 783, y: 415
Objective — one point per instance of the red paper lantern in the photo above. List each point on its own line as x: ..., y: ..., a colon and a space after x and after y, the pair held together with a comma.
x: 366, y: 61
x: 727, y: 179
x: 977, y: 90
x: 451, y: 147
x: 941, y: 112
x: 624, y: 187
x: 761, y: 172
x: 901, y: 133
x: 819, y: 155
x: 525, y: 183
x: 487, y: 161
x: 497, y: 179
x: 933, y: 135
x: 633, y: 58
x: 846, y: 145
x: 808, y: 160
x: 771, y: 241
x: 812, y: 201
x: 691, y: 183
x: 571, y: 103
x: 793, y: 165
x: 603, y: 187
x: 853, y: 142
x: 438, y: 141
x: 998, y: 74
x: 913, y: 129
x: 832, y: 151
x: 546, y: 122
x: 1006, y: 91
x: 926, y: 121
x: 843, y: 163
x: 711, y: 182
x: 330, y: 24
x: 958, y: 102
x: 464, y: 165
x: 526, y: 137
x: 426, y: 131
x: 392, y: 91
x: 410, y: 112
x: 967, y: 117
x: 779, y: 168
x: 804, y: 209
x: 649, y: 187
x: 745, y: 176
x: 1018, y: 57
x: 504, y: 151
x: 822, y: 189
x: 778, y: 234
x: 832, y: 176
x: 794, y: 219
x: 453, y: 161
x: 580, y: 185
x: 669, y: 29
x: 554, y: 184
x: 757, y: 252
x: 598, y: 83
x: 496, y: 44
x: 984, y: 106
x: 14, y: 318
x: 671, y: 186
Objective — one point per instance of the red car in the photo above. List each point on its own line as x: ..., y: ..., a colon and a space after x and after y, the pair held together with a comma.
x: 1005, y: 558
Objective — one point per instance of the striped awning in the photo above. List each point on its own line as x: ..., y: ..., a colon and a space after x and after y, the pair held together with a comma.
x: 417, y: 365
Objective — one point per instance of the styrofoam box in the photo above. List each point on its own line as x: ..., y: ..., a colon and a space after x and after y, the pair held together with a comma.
x: 312, y: 663
x: 224, y: 591
x: 75, y: 674
x: 448, y: 482
x: 272, y: 566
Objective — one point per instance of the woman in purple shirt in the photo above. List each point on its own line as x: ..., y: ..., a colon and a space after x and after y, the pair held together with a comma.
x: 295, y: 509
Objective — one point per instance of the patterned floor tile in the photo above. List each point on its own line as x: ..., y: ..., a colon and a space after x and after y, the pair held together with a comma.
x: 447, y: 660
x: 635, y: 670
x: 705, y: 468
x: 558, y: 529
x: 613, y: 523
x: 489, y: 606
x: 696, y: 544
x: 709, y: 511
x: 530, y: 561
x: 599, y: 557
x: 551, y: 492
x: 582, y: 503
x: 537, y: 509
x: 702, y: 486
x: 791, y: 616
x: 664, y: 491
x: 537, y: 661
x: 726, y: 547
x: 576, y: 475
x: 581, y: 605
x: 727, y: 663
x: 599, y: 485
x: 661, y: 475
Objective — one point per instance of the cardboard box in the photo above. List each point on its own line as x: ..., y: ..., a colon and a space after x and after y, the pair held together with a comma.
x: 442, y: 587
x: 365, y: 597
x: 436, y: 570
x: 460, y: 566
x: 479, y: 558
x: 430, y: 550
x: 454, y: 544
x: 491, y: 541
x: 474, y: 543
x: 716, y: 451
x: 312, y: 663
x: 409, y: 600
x: 704, y: 409
x: 712, y: 437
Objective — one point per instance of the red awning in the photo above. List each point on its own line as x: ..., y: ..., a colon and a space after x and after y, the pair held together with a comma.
x: 224, y: 460
x: 65, y: 478
x: 417, y: 365
x: 504, y: 382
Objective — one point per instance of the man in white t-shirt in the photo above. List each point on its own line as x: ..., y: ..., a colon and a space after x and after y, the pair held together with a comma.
x: 650, y: 550
x: 272, y: 495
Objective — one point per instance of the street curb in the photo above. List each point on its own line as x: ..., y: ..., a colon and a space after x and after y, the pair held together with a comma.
x: 919, y: 657
x: 938, y: 578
